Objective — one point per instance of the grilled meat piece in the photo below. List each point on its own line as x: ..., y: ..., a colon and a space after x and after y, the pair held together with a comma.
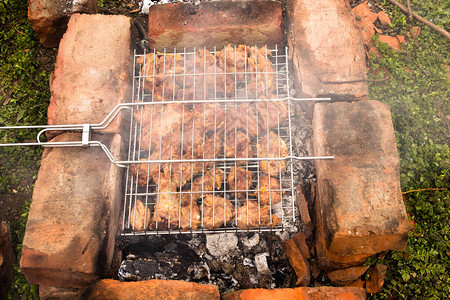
x: 271, y: 114
x: 238, y: 145
x: 181, y: 173
x: 190, y: 216
x: 239, y: 179
x: 262, y: 82
x: 272, y: 146
x: 158, y: 121
x: 250, y: 215
x: 139, y: 218
x: 143, y: 172
x: 243, y: 117
x: 217, y: 211
x: 233, y: 60
x: 167, y: 206
x: 268, y: 190
x: 213, y: 179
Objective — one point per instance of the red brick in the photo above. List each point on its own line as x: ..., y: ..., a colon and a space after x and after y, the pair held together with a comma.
x: 153, y: 289
x: 216, y: 23
x: 47, y: 292
x: 298, y: 262
x: 359, y: 208
x: 326, y: 46
x: 70, y: 234
x: 392, y: 41
x: 92, y: 71
x: 348, y: 275
x: 300, y: 293
x: 49, y: 17
x: 304, y: 211
x: 376, y: 280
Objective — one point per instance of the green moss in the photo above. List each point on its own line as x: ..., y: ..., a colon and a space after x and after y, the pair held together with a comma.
x: 418, y: 93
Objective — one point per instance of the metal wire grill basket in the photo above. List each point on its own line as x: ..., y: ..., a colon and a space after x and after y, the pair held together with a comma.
x: 211, y: 142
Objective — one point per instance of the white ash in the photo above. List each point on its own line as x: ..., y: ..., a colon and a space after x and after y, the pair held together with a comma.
x: 221, y: 244
x: 261, y: 263
x: 250, y: 242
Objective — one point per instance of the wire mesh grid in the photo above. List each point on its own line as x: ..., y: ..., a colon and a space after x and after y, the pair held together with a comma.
x: 211, y: 142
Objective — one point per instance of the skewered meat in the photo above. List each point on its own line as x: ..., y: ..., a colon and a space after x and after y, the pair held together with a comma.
x: 239, y: 179
x: 250, y: 215
x: 268, y: 190
x: 271, y: 113
x: 262, y: 82
x: 233, y: 60
x: 217, y: 211
x: 243, y: 117
x: 272, y: 146
x: 140, y: 216
x: 238, y: 145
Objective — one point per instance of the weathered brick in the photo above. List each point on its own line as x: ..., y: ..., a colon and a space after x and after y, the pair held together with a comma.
x: 49, y: 17
x: 47, y: 292
x: 92, y: 71
x: 376, y: 281
x: 298, y: 262
x: 153, y: 289
x: 73, y: 219
x: 348, y: 275
x: 325, y: 46
x: 300, y: 293
x: 359, y: 208
x: 216, y: 23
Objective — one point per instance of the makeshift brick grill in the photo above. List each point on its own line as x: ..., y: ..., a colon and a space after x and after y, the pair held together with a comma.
x: 210, y: 147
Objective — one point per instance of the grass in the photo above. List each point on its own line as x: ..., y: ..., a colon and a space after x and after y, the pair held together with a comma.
x: 24, y: 97
x: 417, y: 94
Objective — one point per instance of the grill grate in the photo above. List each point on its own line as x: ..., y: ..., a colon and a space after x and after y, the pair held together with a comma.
x: 211, y: 143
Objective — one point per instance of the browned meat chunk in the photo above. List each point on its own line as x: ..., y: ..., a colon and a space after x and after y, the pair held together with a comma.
x: 238, y: 145
x: 233, y: 60
x: 243, y: 117
x: 217, y: 211
x: 143, y: 173
x: 271, y: 114
x: 250, y: 215
x: 167, y: 207
x: 181, y: 173
x: 272, y: 146
x: 239, y: 180
x: 139, y: 218
x: 262, y: 83
x: 269, y: 190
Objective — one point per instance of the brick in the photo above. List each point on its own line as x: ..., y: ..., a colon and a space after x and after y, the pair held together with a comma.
x: 304, y: 211
x: 300, y: 242
x: 376, y: 280
x: 49, y: 17
x: 392, y: 41
x: 72, y: 223
x: 359, y: 208
x: 153, y: 289
x: 92, y: 71
x: 216, y: 23
x: 47, y: 292
x: 325, y: 46
x: 298, y: 262
x: 300, y: 293
x: 6, y: 260
x: 348, y: 275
